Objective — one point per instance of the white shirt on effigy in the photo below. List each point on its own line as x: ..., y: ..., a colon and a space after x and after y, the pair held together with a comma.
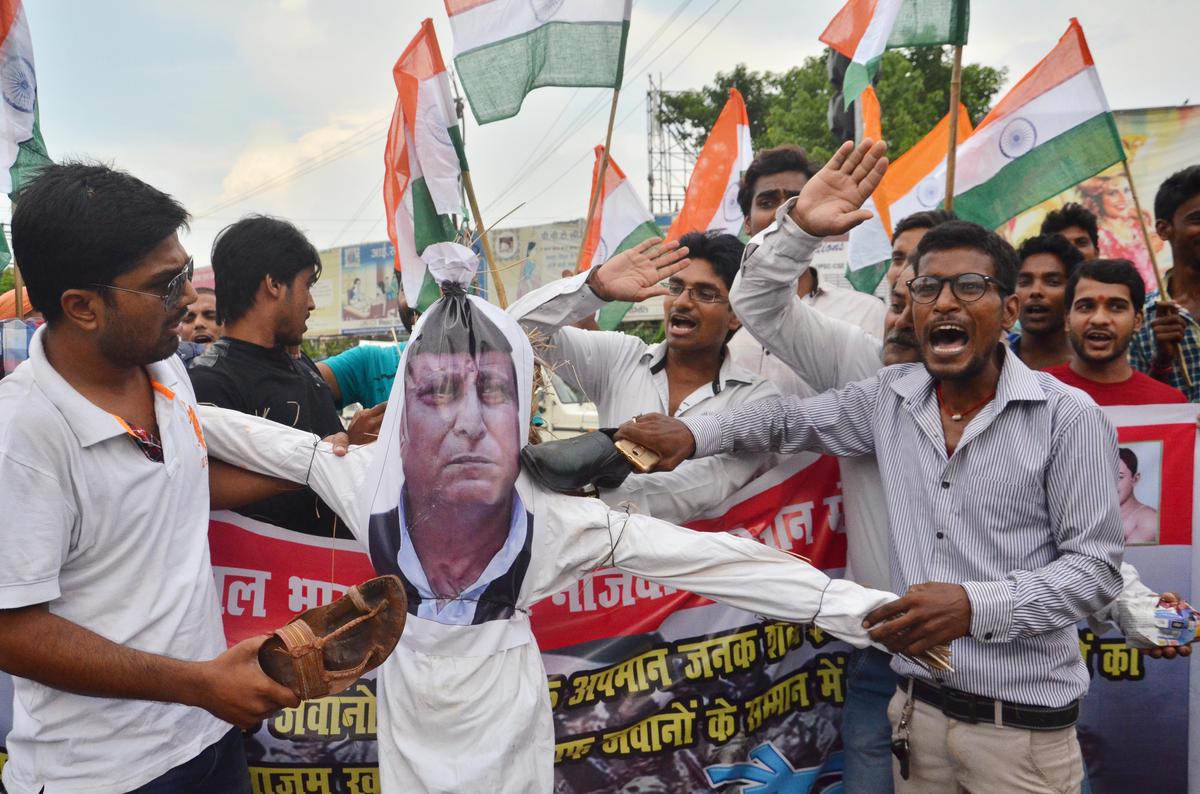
x: 460, y: 611
x: 466, y: 708
x: 118, y: 545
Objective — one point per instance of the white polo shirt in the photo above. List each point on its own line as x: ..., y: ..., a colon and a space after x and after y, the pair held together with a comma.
x: 117, y: 544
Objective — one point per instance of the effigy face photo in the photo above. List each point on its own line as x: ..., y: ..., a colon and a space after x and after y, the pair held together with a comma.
x: 445, y: 515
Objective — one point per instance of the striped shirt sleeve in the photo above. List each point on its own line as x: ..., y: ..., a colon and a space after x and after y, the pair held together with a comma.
x: 839, y: 422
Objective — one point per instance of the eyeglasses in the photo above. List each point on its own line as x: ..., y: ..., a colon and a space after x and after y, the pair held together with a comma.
x: 967, y: 287
x: 702, y: 293
x: 175, y: 286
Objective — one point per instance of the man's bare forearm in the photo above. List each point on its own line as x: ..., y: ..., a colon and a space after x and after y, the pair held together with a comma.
x: 230, y: 487
x: 43, y: 647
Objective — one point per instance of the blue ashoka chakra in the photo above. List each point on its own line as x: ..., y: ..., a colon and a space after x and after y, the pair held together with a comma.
x: 601, y: 255
x: 1018, y: 138
x: 729, y: 205
x: 543, y: 10
x: 930, y: 191
x: 436, y: 126
x: 18, y: 83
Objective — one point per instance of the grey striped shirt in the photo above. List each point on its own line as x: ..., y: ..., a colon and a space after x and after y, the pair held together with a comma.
x: 1024, y: 514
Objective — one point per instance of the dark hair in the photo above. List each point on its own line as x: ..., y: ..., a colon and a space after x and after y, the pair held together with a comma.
x: 206, y: 291
x: 722, y: 251
x: 79, y: 224
x: 926, y: 219
x: 964, y: 234
x: 1072, y: 214
x: 1174, y: 191
x: 788, y: 157
x: 1110, y: 271
x: 254, y: 248
x: 1055, y: 245
x: 1128, y: 458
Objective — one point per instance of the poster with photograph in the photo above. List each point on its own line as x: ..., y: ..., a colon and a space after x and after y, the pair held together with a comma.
x: 1159, y: 142
x: 1159, y: 510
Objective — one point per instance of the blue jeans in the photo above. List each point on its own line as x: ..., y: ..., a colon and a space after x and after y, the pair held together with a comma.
x: 220, y: 769
x: 866, y: 732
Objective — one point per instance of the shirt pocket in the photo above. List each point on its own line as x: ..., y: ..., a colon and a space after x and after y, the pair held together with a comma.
x: 1008, y: 520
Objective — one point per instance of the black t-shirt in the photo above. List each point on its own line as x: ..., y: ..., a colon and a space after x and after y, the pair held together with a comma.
x: 268, y: 382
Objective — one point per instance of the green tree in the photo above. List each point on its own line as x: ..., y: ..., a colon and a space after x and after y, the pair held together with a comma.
x: 791, y: 106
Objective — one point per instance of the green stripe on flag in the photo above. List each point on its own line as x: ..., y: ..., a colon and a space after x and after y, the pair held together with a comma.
x: 31, y: 156
x: 430, y: 292
x: 858, y: 77
x: 613, y: 313
x: 5, y: 251
x: 497, y: 77
x: 1045, y: 171
x: 866, y: 279
x: 927, y: 23
x: 459, y: 147
x: 428, y: 226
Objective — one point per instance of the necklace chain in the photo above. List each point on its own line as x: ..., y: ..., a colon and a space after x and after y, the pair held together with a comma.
x: 958, y: 416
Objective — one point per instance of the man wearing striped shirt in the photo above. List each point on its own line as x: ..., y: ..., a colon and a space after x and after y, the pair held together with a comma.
x: 1000, y: 484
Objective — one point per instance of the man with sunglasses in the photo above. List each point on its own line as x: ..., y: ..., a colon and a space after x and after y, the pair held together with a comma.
x: 109, y: 622
x: 1004, y: 521
x: 688, y: 373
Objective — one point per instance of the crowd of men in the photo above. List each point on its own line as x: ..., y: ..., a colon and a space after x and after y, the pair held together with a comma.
x: 981, y: 480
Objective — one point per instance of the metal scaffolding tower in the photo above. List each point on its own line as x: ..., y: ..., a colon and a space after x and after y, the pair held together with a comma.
x: 671, y: 160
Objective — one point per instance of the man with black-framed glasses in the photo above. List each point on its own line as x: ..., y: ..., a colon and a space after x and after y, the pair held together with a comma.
x: 1005, y: 528
x: 109, y: 620
x: 688, y: 373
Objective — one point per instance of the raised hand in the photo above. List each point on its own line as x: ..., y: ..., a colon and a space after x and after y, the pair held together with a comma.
x: 635, y: 273
x: 831, y: 201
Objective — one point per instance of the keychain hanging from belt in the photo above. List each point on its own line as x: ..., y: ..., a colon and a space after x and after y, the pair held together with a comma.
x: 900, y: 745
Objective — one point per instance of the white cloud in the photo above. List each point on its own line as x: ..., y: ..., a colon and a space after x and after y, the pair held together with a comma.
x: 272, y: 155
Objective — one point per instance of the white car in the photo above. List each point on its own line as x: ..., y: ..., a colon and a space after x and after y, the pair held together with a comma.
x: 564, y: 412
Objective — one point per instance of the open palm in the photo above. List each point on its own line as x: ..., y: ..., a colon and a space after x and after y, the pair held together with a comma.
x: 831, y: 202
x: 636, y: 273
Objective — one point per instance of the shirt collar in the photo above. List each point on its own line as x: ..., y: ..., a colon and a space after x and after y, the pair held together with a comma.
x: 90, y: 423
x: 410, y: 564
x: 1017, y: 382
x: 656, y: 359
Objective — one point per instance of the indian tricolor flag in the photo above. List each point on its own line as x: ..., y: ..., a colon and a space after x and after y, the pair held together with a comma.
x: 863, y: 29
x: 710, y: 202
x: 910, y: 185
x: 503, y: 49
x: 22, y: 148
x: 1051, y: 131
x: 423, y: 163
x: 621, y: 221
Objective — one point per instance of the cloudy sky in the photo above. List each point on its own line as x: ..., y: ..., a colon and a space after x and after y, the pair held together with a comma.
x: 280, y: 106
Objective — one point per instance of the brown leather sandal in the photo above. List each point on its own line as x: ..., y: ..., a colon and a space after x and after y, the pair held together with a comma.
x: 324, y: 650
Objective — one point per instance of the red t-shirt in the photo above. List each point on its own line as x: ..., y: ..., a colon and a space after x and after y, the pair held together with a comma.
x: 1139, y: 389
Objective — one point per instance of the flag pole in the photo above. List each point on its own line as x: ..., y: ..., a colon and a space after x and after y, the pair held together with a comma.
x: 952, y: 140
x: 469, y: 188
x: 599, y: 191
x: 1162, y: 284
x: 484, y: 243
